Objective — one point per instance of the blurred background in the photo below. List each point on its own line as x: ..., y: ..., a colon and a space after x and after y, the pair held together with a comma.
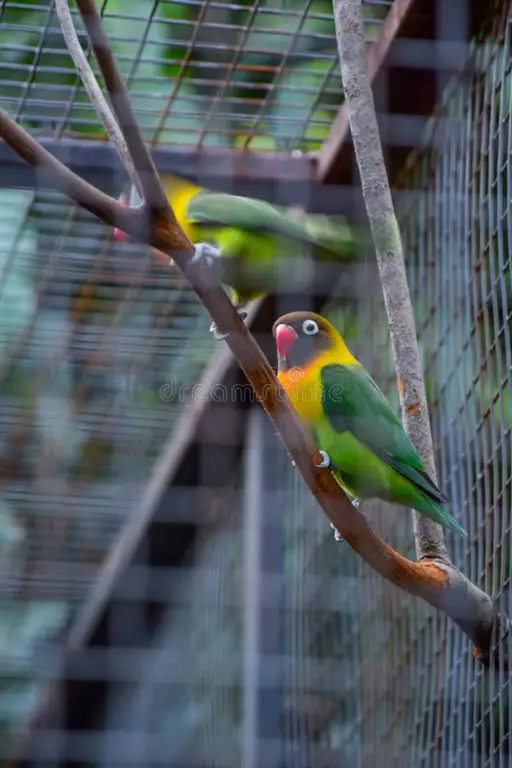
x: 170, y: 592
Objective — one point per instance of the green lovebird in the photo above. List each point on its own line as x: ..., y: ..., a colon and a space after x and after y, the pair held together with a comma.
x: 352, y: 423
x: 260, y: 246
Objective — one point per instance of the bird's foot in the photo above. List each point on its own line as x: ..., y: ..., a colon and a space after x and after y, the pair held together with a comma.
x: 204, y: 268
x: 326, y: 460
x: 206, y: 255
x: 218, y: 335
x: 337, y: 534
x: 356, y: 501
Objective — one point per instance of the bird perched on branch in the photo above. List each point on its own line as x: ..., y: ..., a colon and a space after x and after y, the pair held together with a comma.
x: 354, y: 427
x: 259, y: 247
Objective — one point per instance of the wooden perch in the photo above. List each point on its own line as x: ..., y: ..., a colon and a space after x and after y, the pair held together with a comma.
x: 435, y: 579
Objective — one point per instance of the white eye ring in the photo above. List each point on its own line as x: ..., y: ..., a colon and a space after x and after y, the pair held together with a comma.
x: 309, y: 327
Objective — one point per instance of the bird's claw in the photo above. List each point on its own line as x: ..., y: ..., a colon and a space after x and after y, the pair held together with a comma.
x: 326, y: 460
x: 337, y: 534
x: 218, y: 335
x: 206, y: 255
x: 356, y: 501
x: 208, y: 260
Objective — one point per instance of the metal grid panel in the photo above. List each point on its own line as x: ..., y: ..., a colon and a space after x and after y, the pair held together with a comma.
x: 425, y: 700
x: 259, y: 654
x: 465, y: 323
x: 367, y: 675
x: 89, y: 334
x: 250, y: 74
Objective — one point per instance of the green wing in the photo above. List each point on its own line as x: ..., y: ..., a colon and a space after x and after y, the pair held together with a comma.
x: 354, y: 403
x: 219, y: 209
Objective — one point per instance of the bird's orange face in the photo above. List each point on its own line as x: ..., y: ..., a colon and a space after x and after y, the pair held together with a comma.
x: 301, y: 337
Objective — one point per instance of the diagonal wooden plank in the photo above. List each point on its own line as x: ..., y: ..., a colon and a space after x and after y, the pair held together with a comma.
x: 329, y: 153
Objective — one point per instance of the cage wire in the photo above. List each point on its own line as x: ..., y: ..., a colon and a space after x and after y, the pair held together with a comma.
x: 367, y: 675
x: 90, y: 333
x: 261, y: 75
x: 424, y: 701
x: 348, y: 669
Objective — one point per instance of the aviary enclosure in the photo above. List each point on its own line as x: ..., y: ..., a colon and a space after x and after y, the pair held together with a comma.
x: 171, y: 591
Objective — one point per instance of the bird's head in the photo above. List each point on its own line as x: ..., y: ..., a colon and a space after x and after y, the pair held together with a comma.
x: 301, y: 337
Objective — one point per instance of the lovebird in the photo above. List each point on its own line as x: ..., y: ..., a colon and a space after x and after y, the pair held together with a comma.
x: 354, y: 427
x: 259, y: 246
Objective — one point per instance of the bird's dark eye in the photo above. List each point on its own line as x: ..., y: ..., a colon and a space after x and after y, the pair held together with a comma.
x: 309, y: 327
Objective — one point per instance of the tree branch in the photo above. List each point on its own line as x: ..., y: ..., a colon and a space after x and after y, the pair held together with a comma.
x: 131, y: 220
x: 158, y: 211
x: 429, y: 536
x: 435, y: 581
x: 90, y: 83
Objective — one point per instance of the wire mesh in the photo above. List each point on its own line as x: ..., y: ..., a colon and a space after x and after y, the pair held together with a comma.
x: 89, y: 333
x: 363, y: 674
x: 343, y: 668
x: 424, y: 700
x: 259, y: 75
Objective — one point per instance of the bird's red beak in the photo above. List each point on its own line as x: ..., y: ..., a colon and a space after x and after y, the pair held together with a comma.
x: 285, y: 339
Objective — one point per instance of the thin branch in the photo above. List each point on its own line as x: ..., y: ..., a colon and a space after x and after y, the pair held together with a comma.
x: 436, y: 581
x: 429, y: 536
x: 93, y: 89
x: 131, y: 220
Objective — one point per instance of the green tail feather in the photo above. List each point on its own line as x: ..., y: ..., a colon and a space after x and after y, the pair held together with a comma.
x: 431, y: 509
x: 440, y: 514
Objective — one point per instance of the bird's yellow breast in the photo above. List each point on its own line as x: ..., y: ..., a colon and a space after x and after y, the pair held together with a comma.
x: 179, y: 194
x: 304, y: 386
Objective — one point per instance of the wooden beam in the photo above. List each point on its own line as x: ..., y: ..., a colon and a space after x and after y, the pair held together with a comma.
x: 405, y: 61
x: 278, y: 178
x: 330, y: 154
x: 84, y: 154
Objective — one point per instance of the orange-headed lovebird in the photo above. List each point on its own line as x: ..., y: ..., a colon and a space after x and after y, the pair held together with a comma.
x: 360, y: 436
